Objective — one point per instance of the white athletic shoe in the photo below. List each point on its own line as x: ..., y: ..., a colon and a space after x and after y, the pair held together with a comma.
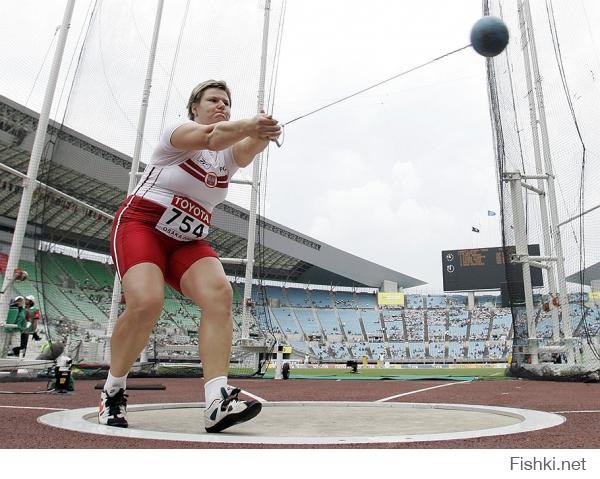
x: 113, y: 409
x: 228, y: 411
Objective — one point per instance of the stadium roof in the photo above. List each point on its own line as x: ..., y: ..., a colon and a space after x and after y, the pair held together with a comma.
x: 591, y: 273
x: 97, y: 175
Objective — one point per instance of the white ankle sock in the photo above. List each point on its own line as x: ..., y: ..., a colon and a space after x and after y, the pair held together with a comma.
x: 212, y: 389
x: 113, y: 384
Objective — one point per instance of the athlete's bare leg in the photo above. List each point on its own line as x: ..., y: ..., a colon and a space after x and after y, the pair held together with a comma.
x: 143, y: 285
x: 206, y: 285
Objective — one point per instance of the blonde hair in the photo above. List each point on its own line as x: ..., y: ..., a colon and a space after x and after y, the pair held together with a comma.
x: 199, y: 90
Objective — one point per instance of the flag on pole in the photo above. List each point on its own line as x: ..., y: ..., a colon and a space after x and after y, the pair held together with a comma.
x: 491, y: 213
x: 474, y: 230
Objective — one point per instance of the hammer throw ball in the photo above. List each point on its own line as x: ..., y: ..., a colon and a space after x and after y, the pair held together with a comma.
x: 489, y: 36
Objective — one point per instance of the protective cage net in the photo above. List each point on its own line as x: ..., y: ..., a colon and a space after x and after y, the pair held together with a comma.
x: 544, y: 91
x: 88, y: 154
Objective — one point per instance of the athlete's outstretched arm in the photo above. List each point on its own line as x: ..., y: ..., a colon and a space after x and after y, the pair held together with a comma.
x: 245, y: 150
x: 222, y: 135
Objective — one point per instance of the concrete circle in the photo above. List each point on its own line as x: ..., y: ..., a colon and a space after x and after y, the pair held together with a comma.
x: 318, y: 422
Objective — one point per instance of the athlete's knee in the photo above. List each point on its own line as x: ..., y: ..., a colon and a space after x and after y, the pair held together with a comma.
x: 145, y: 305
x: 217, y: 297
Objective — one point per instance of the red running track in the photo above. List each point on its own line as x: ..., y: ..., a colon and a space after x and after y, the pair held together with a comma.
x: 579, y: 403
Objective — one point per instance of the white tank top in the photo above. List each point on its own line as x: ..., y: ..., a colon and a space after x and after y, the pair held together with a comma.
x: 188, y: 183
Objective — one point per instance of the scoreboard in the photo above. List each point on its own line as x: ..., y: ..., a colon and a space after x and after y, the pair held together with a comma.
x: 485, y: 268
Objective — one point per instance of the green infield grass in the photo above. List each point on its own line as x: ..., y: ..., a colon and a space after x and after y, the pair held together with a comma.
x: 346, y: 373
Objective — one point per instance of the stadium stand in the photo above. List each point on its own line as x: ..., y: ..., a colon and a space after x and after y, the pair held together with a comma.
x: 330, y: 323
x: 457, y: 320
x: 414, y: 325
x: 339, y: 351
x: 397, y: 350
x: 456, y: 350
x: 344, y: 299
x: 480, y: 324
x: 321, y: 299
x: 436, y: 302
x: 76, y: 300
x: 287, y: 323
x: 476, y: 349
x: 371, y: 322
x: 394, y: 325
x: 276, y: 296
x: 437, y: 350
x: 308, y: 323
x: 436, y: 324
x: 358, y: 350
x: 350, y: 322
x: 378, y: 350
x: 301, y: 346
x: 366, y: 301
x: 320, y: 350
x: 298, y: 298
x: 416, y: 350
x: 413, y: 301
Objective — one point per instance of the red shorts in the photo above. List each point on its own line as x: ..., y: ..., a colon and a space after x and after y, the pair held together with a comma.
x: 134, y: 240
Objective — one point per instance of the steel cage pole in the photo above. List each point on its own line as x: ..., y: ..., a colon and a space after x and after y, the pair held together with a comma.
x: 551, y: 272
x: 246, y: 314
x: 516, y: 190
x: 30, y: 183
x: 560, y: 263
x: 116, y: 295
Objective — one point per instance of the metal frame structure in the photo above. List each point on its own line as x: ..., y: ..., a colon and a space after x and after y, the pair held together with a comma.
x: 552, y: 263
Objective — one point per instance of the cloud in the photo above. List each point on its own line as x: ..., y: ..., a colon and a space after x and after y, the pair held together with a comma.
x: 381, y: 220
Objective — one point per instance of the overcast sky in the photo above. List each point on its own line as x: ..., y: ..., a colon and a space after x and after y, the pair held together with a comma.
x: 394, y: 175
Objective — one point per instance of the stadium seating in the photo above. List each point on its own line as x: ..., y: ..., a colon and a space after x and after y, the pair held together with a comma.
x: 437, y: 350
x: 344, y: 299
x: 75, y: 296
x: 394, y: 324
x: 350, y: 322
x: 413, y: 301
x: 371, y: 322
x: 321, y: 299
x: 416, y: 350
x: 397, y: 350
x: 286, y: 321
x: 320, y: 350
x: 358, y: 350
x: 366, y: 301
x: 456, y: 349
x: 476, y: 349
x: 329, y: 321
x: 436, y: 302
x: 307, y: 321
x: 301, y: 346
x: 276, y: 296
x: 415, y: 325
x: 378, y: 350
x: 298, y: 298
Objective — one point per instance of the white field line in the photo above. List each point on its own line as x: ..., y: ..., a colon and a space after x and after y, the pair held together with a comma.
x: 575, y: 412
x: 421, y: 390
x: 43, y: 408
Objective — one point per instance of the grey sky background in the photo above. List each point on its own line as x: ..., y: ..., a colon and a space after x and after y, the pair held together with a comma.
x: 394, y: 175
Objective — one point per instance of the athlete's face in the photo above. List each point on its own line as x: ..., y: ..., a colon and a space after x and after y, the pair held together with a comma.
x: 212, y: 107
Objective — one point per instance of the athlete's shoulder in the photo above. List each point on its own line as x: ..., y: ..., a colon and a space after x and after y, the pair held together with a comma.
x: 165, y: 154
x: 165, y: 137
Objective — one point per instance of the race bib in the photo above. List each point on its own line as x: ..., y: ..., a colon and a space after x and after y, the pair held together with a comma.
x: 184, y: 220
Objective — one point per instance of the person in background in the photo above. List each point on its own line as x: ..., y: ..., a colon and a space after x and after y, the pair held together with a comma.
x: 29, y: 326
x: 16, y: 319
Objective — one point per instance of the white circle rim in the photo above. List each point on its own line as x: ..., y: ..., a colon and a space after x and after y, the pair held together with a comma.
x: 531, y: 420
